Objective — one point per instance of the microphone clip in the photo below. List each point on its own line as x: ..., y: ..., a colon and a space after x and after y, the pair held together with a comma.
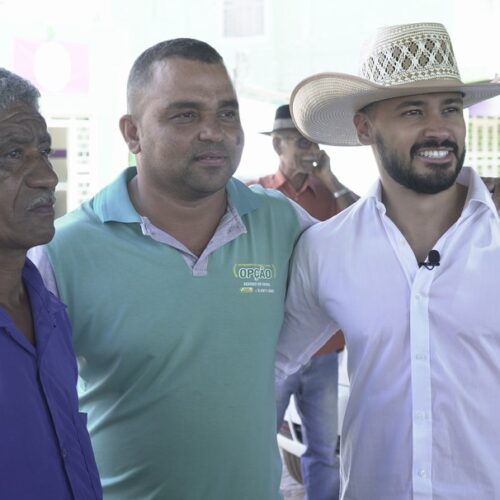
x: 433, y: 260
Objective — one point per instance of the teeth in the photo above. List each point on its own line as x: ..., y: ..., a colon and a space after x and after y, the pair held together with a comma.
x: 435, y: 153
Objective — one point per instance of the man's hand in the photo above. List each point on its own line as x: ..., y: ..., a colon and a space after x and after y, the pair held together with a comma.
x: 322, y: 171
x: 493, y: 185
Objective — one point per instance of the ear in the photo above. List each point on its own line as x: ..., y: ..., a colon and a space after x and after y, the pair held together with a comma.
x: 129, y: 132
x: 277, y: 144
x: 364, y: 128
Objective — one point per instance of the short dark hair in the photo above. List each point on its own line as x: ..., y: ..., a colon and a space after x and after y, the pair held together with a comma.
x: 16, y: 90
x: 184, y: 48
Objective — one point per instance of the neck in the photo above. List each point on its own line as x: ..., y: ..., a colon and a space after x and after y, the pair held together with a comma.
x: 192, y: 222
x: 11, y: 285
x: 421, y: 218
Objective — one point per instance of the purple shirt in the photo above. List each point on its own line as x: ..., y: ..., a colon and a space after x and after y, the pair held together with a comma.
x: 45, y: 451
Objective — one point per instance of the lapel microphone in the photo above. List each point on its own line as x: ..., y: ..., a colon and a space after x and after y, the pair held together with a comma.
x: 433, y: 260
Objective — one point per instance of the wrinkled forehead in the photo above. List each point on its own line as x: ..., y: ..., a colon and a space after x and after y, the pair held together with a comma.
x: 23, y: 119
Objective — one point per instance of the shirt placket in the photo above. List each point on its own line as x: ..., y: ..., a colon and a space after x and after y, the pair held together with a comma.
x: 421, y: 384
x: 230, y: 227
x: 420, y: 281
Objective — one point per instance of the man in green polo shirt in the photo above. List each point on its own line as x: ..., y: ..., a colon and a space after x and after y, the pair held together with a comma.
x: 174, y: 276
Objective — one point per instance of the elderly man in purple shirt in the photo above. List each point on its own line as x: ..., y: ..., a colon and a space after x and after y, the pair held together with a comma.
x: 45, y: 451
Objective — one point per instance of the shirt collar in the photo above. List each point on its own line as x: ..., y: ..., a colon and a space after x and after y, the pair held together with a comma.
x: 310, y: 182
x: 243, y: 199
x: 113, y: 202
x: 476, y: 192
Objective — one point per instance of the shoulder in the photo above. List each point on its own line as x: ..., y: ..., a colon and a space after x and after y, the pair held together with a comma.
x: 339, y: 227
x: 256, y: 193
x: 74, y: 223
x: 267, y: 181
x: 268, y: 208
x: 33, y: 278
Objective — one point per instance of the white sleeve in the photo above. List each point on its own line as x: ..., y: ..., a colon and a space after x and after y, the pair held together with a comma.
x: 39, y: 257
x: 306, y: 326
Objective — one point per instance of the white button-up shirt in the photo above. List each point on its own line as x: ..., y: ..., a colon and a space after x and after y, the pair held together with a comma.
x: 423, y: 418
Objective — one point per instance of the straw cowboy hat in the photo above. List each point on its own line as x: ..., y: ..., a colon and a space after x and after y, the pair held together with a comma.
x: 399, y: 61
x: 282, y: 120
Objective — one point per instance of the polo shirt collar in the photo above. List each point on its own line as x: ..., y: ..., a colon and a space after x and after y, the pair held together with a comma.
x: 113, y: 202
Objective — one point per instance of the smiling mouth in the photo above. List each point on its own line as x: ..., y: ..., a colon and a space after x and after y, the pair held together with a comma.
x: 434, y: 154
x: 437, y: 152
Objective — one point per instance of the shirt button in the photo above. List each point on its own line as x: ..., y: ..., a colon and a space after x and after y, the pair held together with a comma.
x: 422, y: 473
x: 421, y: 357
x: 419, y: 415
x: 64, y: 452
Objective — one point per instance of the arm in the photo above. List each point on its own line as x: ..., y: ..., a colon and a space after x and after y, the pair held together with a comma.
x: 343, y: 196
x: 335, y: 343
x: 306, y: 326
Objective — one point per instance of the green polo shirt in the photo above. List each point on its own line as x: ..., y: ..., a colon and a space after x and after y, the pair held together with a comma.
x: 176, y: 366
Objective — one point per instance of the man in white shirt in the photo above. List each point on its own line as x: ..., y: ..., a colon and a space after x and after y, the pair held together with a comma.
x: 415, y: 267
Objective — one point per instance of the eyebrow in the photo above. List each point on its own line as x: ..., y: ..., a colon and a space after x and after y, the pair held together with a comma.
x: 14, y: 138
x: 228, y: 103
x: 450, y: 100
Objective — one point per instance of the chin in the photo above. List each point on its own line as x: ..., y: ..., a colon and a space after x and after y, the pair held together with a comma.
x: 42, y: 237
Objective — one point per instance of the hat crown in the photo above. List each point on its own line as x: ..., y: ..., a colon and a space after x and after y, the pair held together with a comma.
x: 408, y: 53
x: 283, y: 112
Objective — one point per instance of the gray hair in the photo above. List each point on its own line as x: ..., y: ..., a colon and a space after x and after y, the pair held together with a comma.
x: 16, y: 90
x: 183, y: 48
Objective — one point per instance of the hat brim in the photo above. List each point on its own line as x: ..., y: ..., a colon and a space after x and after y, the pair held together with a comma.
x: 323, y: 105
x: 281, y: 124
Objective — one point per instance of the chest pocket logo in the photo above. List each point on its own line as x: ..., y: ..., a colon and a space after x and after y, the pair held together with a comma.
x: 255, y: 278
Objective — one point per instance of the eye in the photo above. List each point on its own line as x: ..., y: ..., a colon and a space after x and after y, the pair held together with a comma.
x: 452, y: 109
x: 46, y: 152
x: 229, y: 115
x: 412, y: 112
x: 185, y: 117
x: 14, y: 154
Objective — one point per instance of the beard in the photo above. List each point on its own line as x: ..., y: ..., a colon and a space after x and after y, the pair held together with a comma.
x: 438, y: 179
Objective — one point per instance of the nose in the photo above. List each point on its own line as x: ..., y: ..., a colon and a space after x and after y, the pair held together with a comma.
x: 211, y: 130
x: 42, y: 174
x: 437, y: 128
